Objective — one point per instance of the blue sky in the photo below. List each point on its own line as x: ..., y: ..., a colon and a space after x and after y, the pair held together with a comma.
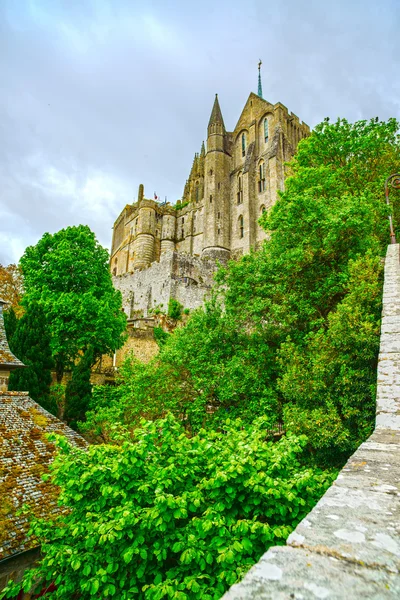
x: 98, y: 96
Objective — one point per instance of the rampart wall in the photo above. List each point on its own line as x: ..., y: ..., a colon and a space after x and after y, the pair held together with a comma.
x: 186, y: 278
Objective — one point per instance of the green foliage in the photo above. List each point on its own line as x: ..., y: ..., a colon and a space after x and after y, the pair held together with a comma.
x: 67, y: 274
x: 10, y: 322
x: 166, y: 516
x: 297, y: 337
x: 160, y: 336
x: 78, y: 391
x: 174, y: 309
x: 30, y: 342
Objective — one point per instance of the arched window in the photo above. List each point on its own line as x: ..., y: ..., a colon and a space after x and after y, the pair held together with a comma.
x: 261, y: 177
x: 265, y: 130
x: 210, y: 198
x: 240, y: 189
x: 197, y: 192
x: 243, y: 144
x: 263, y: 209
x: 241, y: 226
x: 219, y: 215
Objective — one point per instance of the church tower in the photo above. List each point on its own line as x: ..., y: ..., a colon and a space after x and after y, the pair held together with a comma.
x: 217, y: 228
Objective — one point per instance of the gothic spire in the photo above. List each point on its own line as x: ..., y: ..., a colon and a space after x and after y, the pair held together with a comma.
x: 203, y: 150
x: 216, y: 115
x: 259, y: 79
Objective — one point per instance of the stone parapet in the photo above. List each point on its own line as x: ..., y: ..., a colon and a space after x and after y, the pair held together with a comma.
x: 348, y: 546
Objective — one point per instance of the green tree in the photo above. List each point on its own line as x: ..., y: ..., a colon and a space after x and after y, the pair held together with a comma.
x: 167, y: 516
x: 30, y: 342
x: 67, y: 274
x: 10, y: 322
x: 78, y: 391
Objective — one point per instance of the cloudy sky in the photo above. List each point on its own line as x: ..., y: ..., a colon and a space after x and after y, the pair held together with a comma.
x: 97, y: 96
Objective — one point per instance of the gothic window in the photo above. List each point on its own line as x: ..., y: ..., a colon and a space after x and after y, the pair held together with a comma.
x: 219, y: 215
x: 261, y: 177
x: 211, y: 171
x: 210, y: 199
x: 136, y: 225
x: 243, y: 144
x: 263, y: 209
x: 219, y: 231
x: 197, y: 192
x: 241, y: 226
x: 240, y: 189
x: 183, y: 220
x: 265, y: 130
x: 219, y: 185
x: 183, y: 233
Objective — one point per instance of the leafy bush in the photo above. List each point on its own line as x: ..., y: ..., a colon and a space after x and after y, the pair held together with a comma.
x: 160, y: 336
x: 174, y: 309
x: 167, y: 516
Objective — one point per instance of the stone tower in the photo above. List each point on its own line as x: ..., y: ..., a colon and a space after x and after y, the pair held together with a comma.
x: 216, y: 223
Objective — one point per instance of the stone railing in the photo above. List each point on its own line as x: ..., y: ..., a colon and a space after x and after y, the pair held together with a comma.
x: 348, y: 546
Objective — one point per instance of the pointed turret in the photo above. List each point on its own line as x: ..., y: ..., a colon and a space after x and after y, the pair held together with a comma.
x: 195, y: 166
x: 203, y: 150
x: 216, y: 122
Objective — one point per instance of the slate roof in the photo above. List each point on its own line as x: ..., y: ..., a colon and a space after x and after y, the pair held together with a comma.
x: 25, y: 455
x: 7, y: 359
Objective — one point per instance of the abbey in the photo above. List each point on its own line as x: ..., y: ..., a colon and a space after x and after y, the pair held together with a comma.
x: 233, y: 180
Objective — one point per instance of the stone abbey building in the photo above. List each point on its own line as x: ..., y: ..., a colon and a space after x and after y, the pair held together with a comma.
x: 161, y: 251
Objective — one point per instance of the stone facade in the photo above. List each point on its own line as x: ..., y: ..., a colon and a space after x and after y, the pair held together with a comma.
x: 183, y: 277
x: 348, y: 546
x: 230, y: 185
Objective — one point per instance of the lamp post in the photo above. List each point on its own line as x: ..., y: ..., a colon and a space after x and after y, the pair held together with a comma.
x: 394, y: 182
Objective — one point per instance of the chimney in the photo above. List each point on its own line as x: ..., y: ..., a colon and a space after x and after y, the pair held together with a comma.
x: 8, y: 362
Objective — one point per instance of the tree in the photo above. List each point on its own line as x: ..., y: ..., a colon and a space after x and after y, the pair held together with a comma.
x: 11, y: 287
x: 30, y: 342
x: 304, y: 291
x: 67, y: 274
x: 167, y: 516
x: 79, y: 390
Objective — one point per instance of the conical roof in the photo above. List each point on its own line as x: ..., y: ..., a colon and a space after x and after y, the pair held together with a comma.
x: 7, y: 359
x: 216, y: 114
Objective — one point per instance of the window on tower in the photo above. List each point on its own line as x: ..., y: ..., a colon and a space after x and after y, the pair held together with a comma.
x: 266, y: 130
x: 241, y: 226
x: 240, y: 189
x: 261, y: 177
x: 243, y: 144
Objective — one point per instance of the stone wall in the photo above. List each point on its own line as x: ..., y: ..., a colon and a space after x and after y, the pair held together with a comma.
x: 348, y: 547
x: 186, y: 278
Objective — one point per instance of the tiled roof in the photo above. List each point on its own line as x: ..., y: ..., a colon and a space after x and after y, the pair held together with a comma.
x: 7, y: 358
x: 25, y: 454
